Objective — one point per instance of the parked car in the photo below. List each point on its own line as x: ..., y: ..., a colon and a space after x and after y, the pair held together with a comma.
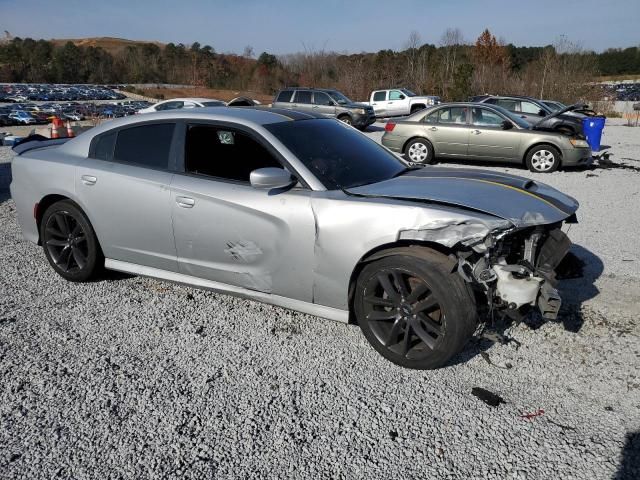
x: 483, y: 132
x: 399, y: 102
x: 177, y: 103
x: 20, y: 117
x: 296, y: 210
x: 533, y: 110
x: 73, y: 116
x: 326, y: 102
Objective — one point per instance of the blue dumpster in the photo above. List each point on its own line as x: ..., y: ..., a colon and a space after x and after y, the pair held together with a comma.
x: 592, y: 127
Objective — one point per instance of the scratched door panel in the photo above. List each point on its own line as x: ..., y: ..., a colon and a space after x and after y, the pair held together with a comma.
x: 242, y: 236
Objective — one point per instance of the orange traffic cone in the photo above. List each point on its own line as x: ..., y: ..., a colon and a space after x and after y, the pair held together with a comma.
x: 54, y: 131
x: 69, y: 130
x: 57, y: 123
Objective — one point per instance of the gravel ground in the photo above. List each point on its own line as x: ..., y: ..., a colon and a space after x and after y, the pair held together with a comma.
x: 129, y: 377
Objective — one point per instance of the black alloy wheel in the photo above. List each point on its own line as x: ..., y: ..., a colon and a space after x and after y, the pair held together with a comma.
x: 414, y: 308
x: 69, y: 242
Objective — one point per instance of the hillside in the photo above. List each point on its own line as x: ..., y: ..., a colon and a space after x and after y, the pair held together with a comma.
x: 111, y: 45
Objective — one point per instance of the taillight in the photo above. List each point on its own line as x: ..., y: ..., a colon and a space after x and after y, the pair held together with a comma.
x: 389, y: 127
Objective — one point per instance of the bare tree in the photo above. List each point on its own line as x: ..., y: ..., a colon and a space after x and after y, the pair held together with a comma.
x: 451, y: 43
x: 411, y: 49
x: 248, y: 52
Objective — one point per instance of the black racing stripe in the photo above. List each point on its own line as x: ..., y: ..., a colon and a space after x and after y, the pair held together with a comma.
x: 519, y: 183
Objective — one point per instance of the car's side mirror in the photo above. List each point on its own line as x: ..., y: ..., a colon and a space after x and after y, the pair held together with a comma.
x: 402, y: 97
x: 507, y: 125
x: 271, y: 177
x: 542, y: 113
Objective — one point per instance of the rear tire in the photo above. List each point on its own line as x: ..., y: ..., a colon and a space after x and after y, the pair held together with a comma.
x: 69, y: 242
x: 419, y: 151
x: 543, y: 159
x: 413, y: 309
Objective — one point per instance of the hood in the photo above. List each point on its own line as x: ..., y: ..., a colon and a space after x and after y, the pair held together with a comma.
x: 521, y: 201
x: 356, y: 105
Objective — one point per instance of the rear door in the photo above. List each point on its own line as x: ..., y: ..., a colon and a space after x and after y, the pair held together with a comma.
x: 487, y: 138
x: 124, y: 188
x: 448, y: 131
x: 323, y: 104
x: 302, y: 101
x: 283, y: 100
x: 227, y: 231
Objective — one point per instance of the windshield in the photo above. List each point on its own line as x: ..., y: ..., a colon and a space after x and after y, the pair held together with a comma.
x: 339, y: 156
x: 339, y: 97
x: 522, y: 123
x: 408, y: 93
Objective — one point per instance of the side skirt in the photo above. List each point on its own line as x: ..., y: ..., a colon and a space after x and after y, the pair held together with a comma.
x: 310, y: 308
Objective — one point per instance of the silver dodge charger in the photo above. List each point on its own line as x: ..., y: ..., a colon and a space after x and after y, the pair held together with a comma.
x: 299, y: 211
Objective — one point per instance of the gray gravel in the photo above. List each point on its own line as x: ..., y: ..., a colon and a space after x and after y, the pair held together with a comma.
x: 133, y: 378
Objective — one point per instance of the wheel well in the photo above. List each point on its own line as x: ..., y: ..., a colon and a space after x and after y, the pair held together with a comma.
x: 43, y: 204
x: 404, y: 147
x: 542, y: 144
x: 417, y: 106
x: 385, y: 251
x: 342, y: 115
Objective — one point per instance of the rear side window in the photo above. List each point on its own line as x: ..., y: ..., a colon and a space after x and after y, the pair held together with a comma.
x: 303, y: 96
x: 379, y: 96
x: 147, y: 145
x: 103, y: 149
x: 455, y: 115
x: 285, y: 96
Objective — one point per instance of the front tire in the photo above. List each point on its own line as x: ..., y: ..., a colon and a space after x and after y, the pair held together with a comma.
x: 69, y: 242
x: 543, y: 159
x: 419, y: 151
x: 346, y: 119
x: 413, y: 309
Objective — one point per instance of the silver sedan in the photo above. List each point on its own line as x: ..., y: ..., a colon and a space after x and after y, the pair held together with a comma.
x: 298, y: 211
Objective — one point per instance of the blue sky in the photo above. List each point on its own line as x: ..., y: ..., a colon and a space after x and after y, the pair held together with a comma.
x: 287, y: 26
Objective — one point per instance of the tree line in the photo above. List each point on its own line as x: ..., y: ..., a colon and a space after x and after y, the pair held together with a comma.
x: 453, y: 69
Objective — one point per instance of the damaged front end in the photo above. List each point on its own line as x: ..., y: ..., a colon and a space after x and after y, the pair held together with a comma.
x: 516, y: 269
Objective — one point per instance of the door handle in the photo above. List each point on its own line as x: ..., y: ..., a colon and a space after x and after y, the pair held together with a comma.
x: 476, y: 132
x: 315, y: 106
x: 89, y: 179
x: 433, y: 129
x: 185, y: 202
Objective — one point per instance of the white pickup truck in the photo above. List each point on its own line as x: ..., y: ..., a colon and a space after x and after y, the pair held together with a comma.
x: 399, y: 101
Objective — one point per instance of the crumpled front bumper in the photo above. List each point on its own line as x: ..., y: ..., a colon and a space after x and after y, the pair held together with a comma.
x: 528, y: 282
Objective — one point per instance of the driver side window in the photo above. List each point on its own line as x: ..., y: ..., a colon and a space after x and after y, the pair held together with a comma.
x: 395, y: 95
x: 528, y: 107
x: 224, y: 153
